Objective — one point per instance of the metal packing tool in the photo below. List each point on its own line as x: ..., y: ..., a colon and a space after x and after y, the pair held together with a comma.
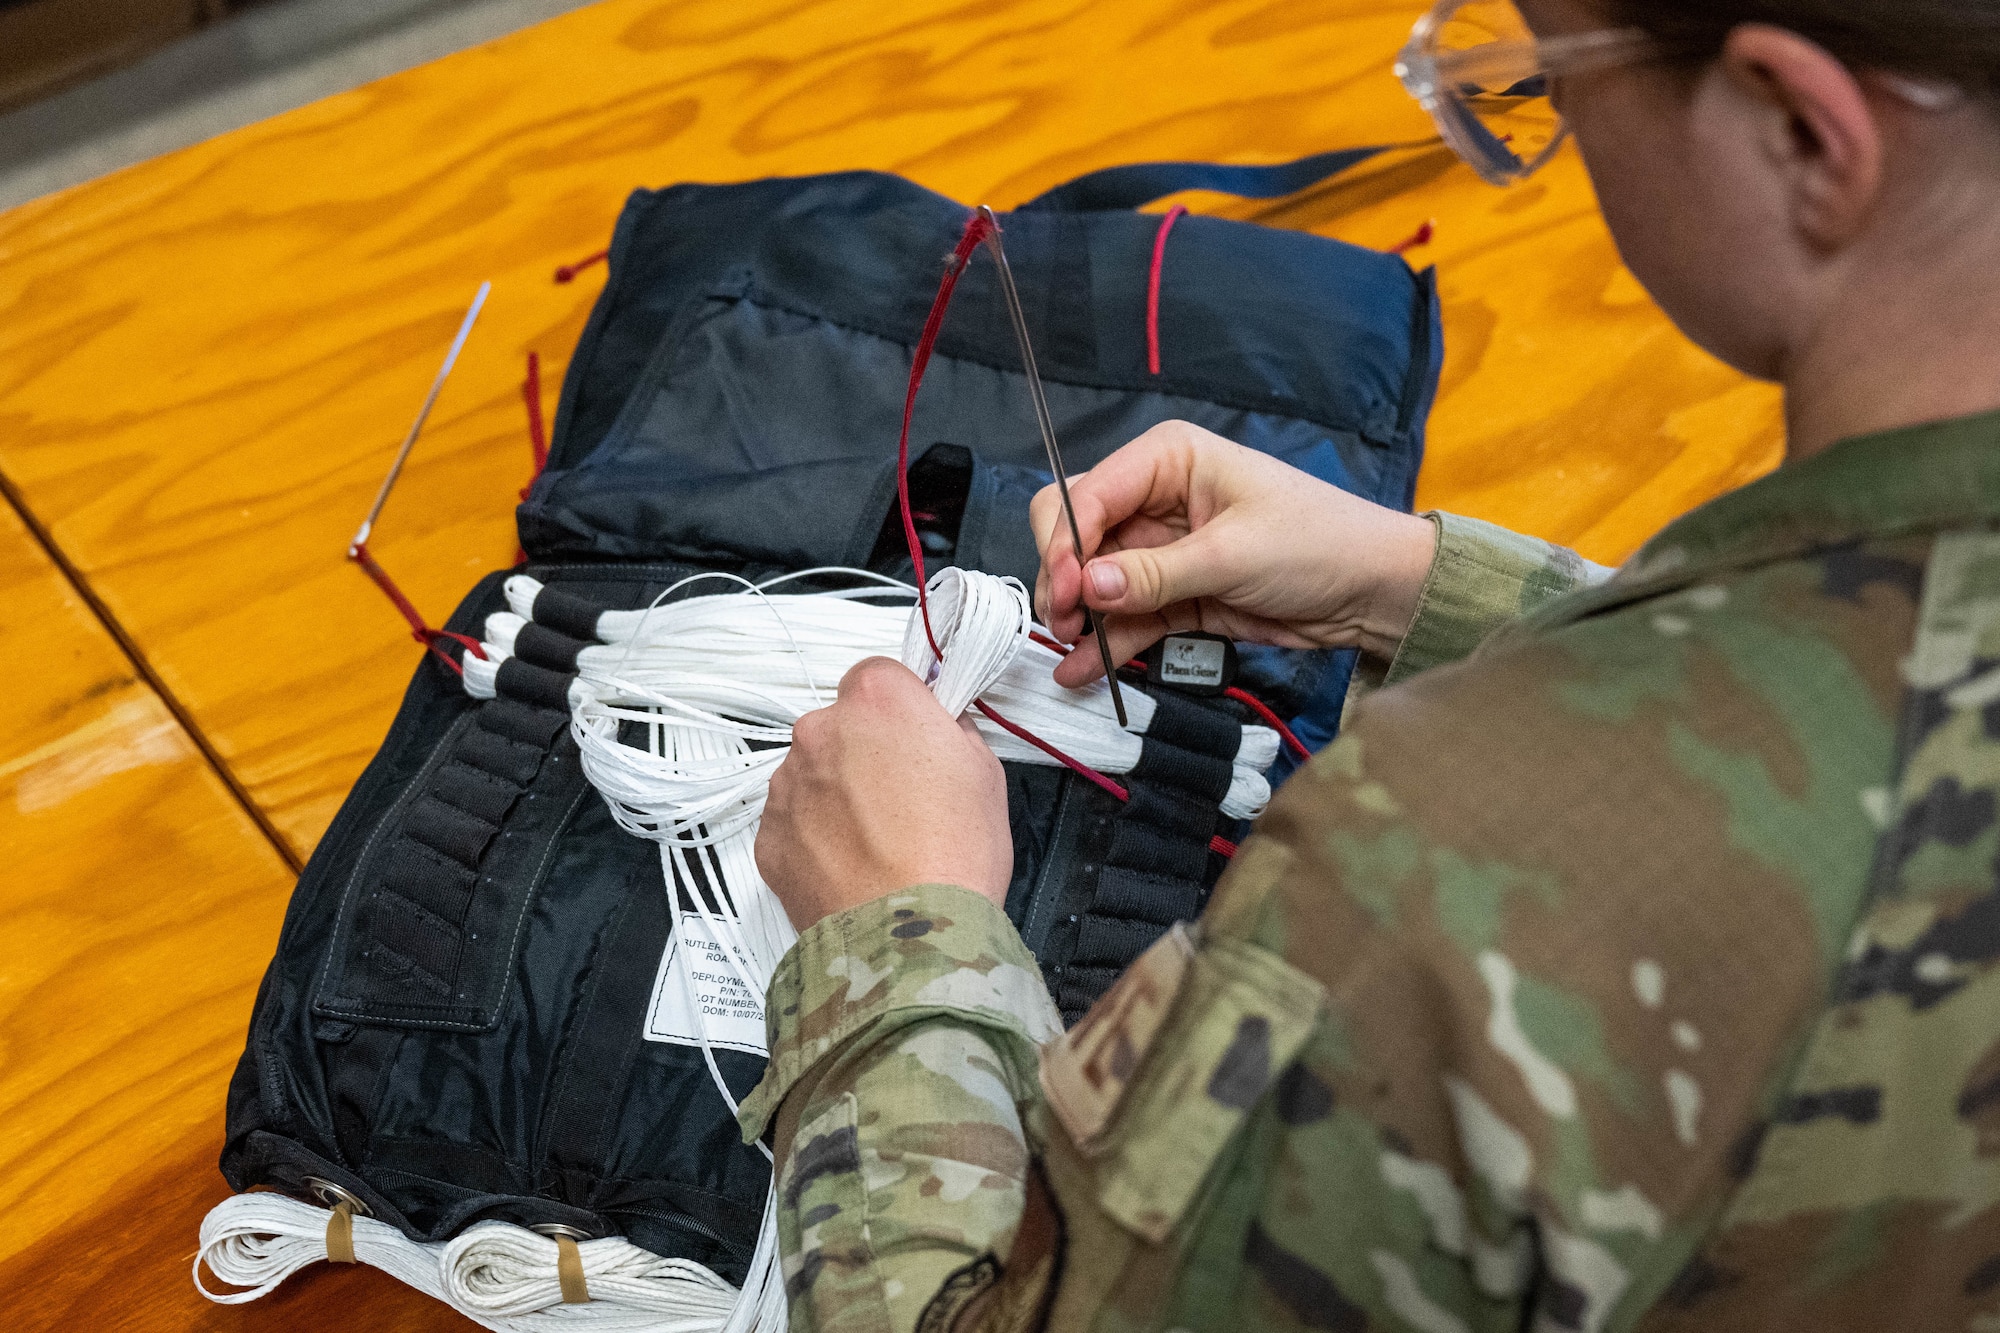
x: 1013, y: 300
x: 416, y: 427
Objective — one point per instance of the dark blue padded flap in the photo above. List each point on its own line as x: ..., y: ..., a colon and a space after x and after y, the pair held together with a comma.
x: 1252, y: 320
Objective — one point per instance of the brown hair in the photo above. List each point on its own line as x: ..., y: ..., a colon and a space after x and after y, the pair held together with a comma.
x: 1951, y: 41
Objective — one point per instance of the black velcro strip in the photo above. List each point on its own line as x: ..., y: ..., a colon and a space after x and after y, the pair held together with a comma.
x: 1172, y: 810
x: 1180, y: 853
x: 1154, y: 899
x: 1106, y: 941
x: 1203, y: 775
x: 547, y: 648
x: 414, y: 933
x: 1080, y: 987
x: 530, y: 684
x: 447, y: 829
x: 519, y: 722
x: 1201, y: 728
x: 430, y: 879
x: 475, y: 791
x: 566, y: 614
x: 495, y: 754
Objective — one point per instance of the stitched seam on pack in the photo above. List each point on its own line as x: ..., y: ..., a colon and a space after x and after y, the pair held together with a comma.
x: 342, y: 929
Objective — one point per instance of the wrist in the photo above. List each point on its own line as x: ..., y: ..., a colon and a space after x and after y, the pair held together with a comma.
x: 1406, y: 550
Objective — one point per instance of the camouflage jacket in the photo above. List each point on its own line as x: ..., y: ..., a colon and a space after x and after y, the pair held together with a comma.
x: 1636, y: 972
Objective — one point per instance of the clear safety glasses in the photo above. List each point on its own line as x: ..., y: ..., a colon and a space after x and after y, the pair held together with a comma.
x: 1478, y: 70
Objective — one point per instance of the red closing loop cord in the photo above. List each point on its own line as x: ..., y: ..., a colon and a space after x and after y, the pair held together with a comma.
x: 1424, y: 236
x: 568, y: 272
x: 538, y: 436
x: 1270, y: 719
x: 1174, y: 214
x: 420, y: 630
x: 977, y: 228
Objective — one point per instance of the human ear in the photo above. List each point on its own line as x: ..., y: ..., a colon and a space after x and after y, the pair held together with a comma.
x: 1814, y: 127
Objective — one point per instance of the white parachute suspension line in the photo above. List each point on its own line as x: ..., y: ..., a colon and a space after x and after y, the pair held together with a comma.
x: 713, y: 650
x: 500, y: 1276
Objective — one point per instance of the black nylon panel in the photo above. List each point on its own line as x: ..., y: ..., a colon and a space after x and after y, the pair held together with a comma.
x: 1079, y: 987
x: 495, y: 754
x: 421, y: 937
x: 526, y: 683
x: 524, y: 724
x: 1143, y: 846
x: 1201, y: 775
x: 1179, y: 721
x: 475, y: 791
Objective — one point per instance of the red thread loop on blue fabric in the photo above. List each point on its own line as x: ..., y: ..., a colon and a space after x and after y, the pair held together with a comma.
x: 1174, y: 214
x: 977, y: 228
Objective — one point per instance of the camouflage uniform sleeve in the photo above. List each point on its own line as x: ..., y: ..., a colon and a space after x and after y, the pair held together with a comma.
x: 1483, y: 577
x: 904, y: 1037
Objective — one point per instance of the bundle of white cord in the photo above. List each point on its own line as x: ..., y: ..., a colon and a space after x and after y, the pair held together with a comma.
x: 502, y: 1277
x: 769, y: 658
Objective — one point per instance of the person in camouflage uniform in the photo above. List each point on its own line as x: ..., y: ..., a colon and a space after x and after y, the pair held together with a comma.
x: 1633, y: 959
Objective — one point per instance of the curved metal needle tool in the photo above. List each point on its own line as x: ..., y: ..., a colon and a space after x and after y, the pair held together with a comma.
x: 1012, y: 297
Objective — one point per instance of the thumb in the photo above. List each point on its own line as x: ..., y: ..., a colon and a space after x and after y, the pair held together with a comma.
x: 1150, y: 578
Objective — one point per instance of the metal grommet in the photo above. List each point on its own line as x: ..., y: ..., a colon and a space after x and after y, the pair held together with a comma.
x: 561, y: 1229
x: 333, y: 1195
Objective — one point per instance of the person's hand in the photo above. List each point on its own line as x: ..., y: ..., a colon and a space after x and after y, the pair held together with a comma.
x: 1184, y: 530
x: 883, y: 790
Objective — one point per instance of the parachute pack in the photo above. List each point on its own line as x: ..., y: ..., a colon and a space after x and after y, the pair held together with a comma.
x: 497, y: 1049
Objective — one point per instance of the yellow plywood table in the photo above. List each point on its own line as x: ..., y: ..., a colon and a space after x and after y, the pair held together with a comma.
x: 206, y: 363
x: 140, y: 903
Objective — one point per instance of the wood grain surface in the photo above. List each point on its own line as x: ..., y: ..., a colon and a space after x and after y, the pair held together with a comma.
x: 140, y: 906
x: 206, y: 362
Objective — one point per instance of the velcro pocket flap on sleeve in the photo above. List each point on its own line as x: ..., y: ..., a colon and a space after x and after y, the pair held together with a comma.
x: 1242, y: 1018
x: 1086, y: 1071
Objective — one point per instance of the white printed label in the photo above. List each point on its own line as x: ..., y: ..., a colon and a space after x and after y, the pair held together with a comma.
x: 698, y: 989
x: 1198, y: 662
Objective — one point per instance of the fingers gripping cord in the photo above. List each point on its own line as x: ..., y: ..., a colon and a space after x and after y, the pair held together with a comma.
x: 755, y: 664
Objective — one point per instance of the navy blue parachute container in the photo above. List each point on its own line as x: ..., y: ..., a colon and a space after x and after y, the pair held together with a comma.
x: 738, y: 391
x: 455, y: 1026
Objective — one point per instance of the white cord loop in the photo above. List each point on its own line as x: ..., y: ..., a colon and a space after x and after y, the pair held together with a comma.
x: 501, y: 1276
x: 982, y: 625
